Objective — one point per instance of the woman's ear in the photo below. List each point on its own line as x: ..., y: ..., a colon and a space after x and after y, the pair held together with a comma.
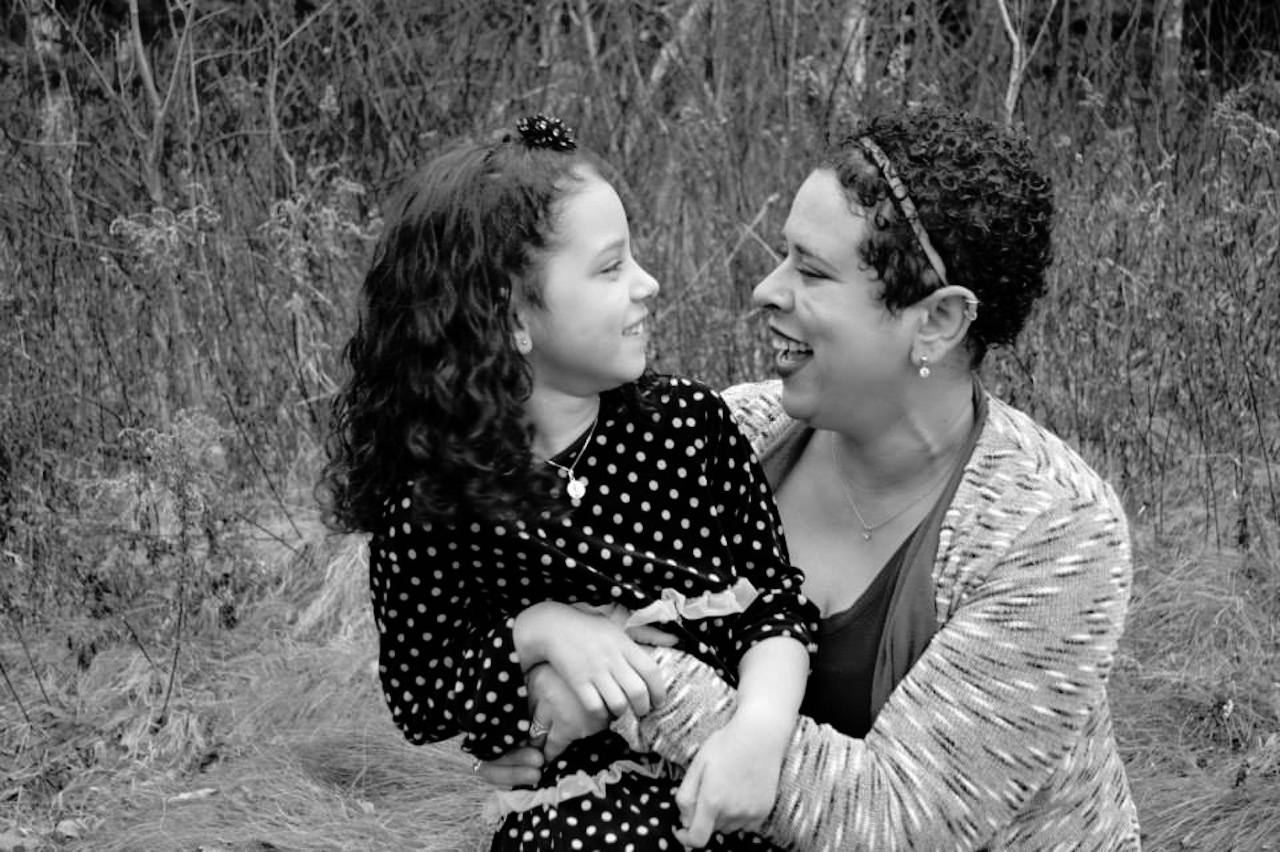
x: 944, y: 321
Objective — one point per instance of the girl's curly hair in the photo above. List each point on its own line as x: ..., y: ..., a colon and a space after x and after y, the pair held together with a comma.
x: 434, y: 401
x: 979, y: 194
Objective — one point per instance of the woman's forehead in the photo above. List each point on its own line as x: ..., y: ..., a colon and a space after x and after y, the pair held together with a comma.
x: 822, y: 219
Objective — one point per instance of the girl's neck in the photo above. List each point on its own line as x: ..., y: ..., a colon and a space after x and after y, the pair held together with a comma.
x: 558, y: 419
x: 926, y: 438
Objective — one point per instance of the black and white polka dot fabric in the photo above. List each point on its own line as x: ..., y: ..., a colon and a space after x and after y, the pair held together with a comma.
x: 675, y: 501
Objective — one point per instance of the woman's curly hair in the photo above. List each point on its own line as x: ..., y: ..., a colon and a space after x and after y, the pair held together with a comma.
x: 986, y: 206
x: 434, y: 401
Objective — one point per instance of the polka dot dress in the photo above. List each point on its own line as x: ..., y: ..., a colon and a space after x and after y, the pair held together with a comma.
x: 674, y: 500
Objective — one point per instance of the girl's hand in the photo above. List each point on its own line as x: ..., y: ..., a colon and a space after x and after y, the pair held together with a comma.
x: 730, y: 784
x: 603, y: 666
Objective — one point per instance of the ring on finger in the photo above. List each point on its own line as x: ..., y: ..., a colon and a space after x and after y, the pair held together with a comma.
x: 538, y: 729
x: 475, y: 767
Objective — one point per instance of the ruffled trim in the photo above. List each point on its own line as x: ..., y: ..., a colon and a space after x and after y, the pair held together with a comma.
x: 504, y: 802
x: 674, y: 606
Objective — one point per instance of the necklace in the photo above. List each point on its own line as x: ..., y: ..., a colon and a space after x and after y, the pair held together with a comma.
x: 577, y: 488
x: 868, y: 529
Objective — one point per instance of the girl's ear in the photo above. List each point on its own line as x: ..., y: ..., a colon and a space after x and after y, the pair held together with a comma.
x: 520, y: 337
x: 944, y: 321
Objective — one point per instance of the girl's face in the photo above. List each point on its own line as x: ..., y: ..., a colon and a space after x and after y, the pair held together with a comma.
x: 592, y: 329
x: 843, y: 357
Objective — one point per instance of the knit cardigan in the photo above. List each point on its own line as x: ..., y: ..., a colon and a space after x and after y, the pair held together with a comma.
x: 1000, y: 736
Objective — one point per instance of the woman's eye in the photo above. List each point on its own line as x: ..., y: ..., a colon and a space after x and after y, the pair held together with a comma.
x: 613, y: 268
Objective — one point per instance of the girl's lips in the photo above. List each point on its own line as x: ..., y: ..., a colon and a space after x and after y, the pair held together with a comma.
x: 637, y: 328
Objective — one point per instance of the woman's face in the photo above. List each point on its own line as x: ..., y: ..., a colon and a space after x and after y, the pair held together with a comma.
x: 591, y: 331
x: 843, y: 357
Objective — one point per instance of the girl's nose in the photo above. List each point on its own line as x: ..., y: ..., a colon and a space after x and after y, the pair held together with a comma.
x: 646, y: 286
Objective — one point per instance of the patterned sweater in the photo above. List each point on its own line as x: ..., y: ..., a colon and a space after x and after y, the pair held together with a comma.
x: 1000, y: 736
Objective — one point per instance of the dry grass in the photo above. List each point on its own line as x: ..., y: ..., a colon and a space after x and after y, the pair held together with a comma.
x: 278, y: 738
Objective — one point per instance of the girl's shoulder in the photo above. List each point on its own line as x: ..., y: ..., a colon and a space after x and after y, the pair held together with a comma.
x: 674, y: 394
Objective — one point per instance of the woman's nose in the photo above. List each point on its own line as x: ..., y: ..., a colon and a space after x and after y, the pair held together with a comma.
x: 774, y: 291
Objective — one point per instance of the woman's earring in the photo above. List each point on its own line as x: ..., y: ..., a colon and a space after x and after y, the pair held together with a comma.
x: 924, y: 367
x: 523, y: 344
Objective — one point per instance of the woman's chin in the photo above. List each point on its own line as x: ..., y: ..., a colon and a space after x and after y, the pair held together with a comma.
x: 797, y: 397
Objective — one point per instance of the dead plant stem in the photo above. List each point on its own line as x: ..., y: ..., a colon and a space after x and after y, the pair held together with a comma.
x: 14, y: 692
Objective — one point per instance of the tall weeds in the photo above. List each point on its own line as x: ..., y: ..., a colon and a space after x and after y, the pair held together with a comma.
x: 189, y: 199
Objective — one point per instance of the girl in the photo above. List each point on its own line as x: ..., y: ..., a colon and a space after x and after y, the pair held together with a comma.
x: 501, y: 439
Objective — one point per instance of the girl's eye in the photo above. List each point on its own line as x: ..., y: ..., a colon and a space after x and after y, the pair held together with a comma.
x: 809, y: 273
x: 613, y: 268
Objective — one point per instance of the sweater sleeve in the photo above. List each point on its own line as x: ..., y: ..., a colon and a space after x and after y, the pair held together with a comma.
x: 447, y: 662
x: 977, y: 727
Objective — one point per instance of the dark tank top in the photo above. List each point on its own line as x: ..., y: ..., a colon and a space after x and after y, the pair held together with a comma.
x: 840, y: 674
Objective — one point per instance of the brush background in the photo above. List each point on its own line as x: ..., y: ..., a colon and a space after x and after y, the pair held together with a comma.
x: 189, y: 193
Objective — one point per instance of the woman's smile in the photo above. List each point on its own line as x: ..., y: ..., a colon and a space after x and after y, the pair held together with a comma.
x: 789, y: 354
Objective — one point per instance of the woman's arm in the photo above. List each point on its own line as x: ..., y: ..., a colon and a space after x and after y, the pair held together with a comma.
x: 995, y: 705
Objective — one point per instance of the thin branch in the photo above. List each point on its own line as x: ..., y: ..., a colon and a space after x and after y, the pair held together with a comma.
x: 22, y: 640
x: 144, y: 65
x: 138, y: 641
x: 674, y: 47
x: 14, y: 692
x: 266, y: 475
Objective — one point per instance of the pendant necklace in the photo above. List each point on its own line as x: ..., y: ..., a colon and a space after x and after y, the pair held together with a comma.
x: 577, y: 488
x: 868, y: 529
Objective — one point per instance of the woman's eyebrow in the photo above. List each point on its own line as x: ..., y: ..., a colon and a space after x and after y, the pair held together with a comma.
x: 809, y: 255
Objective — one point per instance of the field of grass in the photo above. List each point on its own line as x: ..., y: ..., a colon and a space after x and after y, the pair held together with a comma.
x: 275, y: 736
x: 186, y: 208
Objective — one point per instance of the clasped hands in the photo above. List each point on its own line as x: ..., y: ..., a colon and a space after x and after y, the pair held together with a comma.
x: 584, y: 666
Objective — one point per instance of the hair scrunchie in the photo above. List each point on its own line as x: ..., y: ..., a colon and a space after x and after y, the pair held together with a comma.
x: 544, y: 131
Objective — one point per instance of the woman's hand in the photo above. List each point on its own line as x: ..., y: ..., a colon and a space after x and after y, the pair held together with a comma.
x: 556, y: 708
x: 519, y: 768
x: 604, y: 667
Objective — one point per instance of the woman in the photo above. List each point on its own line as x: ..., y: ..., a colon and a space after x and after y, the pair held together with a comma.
x: 972, y: 572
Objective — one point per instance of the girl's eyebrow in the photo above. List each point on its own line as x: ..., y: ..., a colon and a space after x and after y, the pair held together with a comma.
x: 613, y: 246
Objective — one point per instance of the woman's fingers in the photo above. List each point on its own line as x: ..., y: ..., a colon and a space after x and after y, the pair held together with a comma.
x: 519, y: 768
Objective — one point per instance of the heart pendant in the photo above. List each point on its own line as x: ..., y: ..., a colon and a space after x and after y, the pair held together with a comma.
x: 577, y: 488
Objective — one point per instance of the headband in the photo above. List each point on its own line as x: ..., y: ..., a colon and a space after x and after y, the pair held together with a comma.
x: 905, y: 204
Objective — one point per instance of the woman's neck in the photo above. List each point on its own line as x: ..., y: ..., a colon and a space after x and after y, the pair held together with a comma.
x: 923, y: 441
x: 558, y: 419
